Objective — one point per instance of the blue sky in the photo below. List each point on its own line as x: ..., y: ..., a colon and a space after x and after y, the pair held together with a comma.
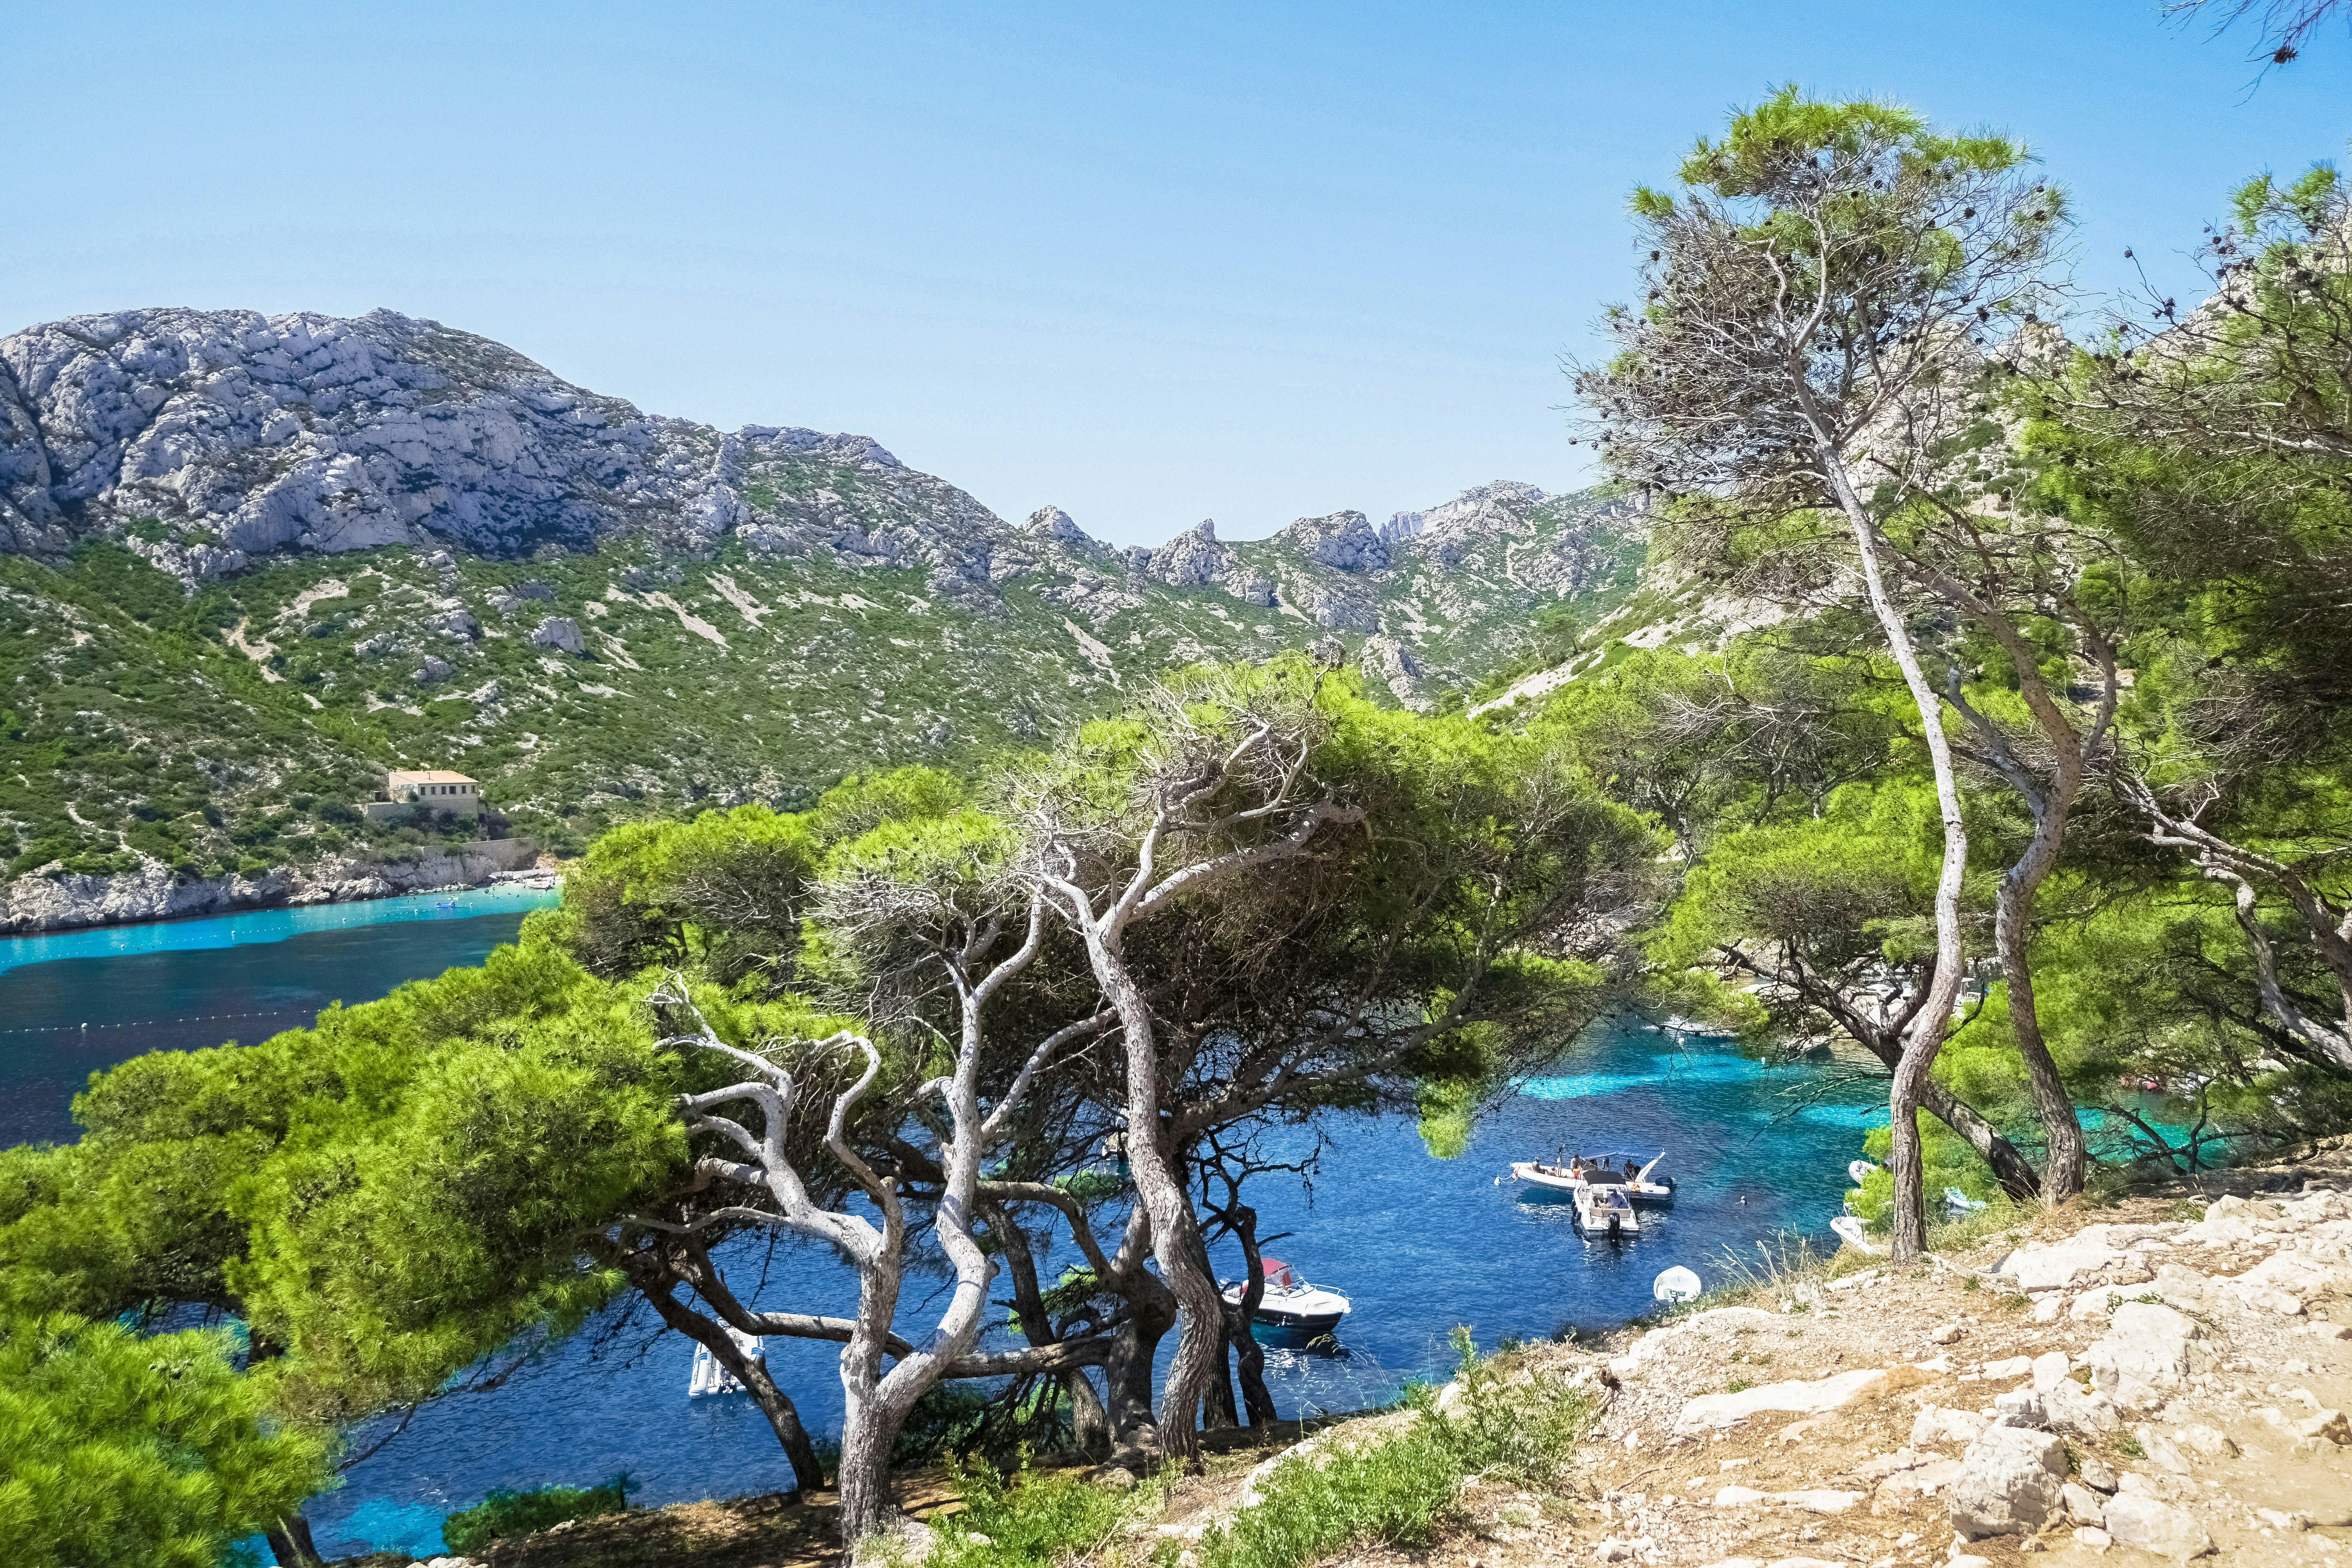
x: 1150, y: 264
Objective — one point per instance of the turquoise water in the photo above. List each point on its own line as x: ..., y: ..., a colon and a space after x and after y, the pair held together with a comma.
x: 261, y: 925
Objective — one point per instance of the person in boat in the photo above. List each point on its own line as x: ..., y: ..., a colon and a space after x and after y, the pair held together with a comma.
x: 1575, y: 1166
x: 1632, y: 1167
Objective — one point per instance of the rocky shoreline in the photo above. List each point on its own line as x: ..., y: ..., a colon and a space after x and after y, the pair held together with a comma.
x: 34, y: 904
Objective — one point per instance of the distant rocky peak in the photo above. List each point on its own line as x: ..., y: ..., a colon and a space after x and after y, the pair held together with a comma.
x: 1344, y: 540
x: 1191, y: 558
x: 1402, y: 526
x: 791, y: 441
x: 1501, y: 499
x: 1507, y: 492
x: 208, y: 437
x: 1052, y: 522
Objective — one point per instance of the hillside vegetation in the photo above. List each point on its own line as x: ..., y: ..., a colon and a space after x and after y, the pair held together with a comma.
x: 212, y: 645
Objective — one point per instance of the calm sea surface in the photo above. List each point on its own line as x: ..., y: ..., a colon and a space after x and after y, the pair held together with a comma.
x: 1420, y: 1244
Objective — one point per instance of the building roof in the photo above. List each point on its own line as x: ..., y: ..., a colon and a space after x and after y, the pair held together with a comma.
x: 399, y: 778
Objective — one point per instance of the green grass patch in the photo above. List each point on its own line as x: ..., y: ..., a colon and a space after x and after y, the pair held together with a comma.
x: 506, y: 1513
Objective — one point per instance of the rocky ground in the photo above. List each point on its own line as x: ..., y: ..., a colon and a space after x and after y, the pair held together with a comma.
x: 2161, y: 1380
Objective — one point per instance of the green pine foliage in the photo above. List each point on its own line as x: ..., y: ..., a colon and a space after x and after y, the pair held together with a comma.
x: 116, y: 1447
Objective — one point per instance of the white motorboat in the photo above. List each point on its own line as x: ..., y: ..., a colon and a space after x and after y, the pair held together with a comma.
x: 1621, y: 1171
x: 710, y: 1374
x: 1678, y: 1025
x: 1851, y: 1231
x: 1858, y: 1170
x: 1290, y: 1306
x: 1676, y: 1284
x: 1603, y: 1209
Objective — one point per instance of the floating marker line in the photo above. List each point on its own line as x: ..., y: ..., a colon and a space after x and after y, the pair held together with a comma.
x: 157, y: 1023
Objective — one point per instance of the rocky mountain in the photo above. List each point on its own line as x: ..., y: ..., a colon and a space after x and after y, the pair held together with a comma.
x: 248, y: 562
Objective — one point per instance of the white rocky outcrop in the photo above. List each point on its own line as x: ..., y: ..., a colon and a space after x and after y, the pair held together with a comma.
x: 241, y: 434
x: 2117, y: 1253
x: 1343, y: 540
x: 1052, y: 522
x: 559, y: 632
x: 67, y: 900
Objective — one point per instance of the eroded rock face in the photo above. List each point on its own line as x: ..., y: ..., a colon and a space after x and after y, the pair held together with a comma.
x: 1345, y: 540
x: 559, y: 632
x: 1717, y: 1410
x: 227, y: 434
x: 1193, y: 559
x: 38, y: 903
x: 1052, y: 522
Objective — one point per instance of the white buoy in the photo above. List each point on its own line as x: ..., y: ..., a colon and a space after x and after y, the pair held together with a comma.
x: 1676, y: 1284
x: 1850, y: 1231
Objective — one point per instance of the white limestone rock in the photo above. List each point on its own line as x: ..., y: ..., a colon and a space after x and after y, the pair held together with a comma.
x: 2147, y: 1349
x: 2328, y: 1427
x: 1936, y: 1424
x: 1344, y: 540
x: 245, y: 433
x: 2153, y: 1526
x: 1190, y: 560
x: 1806, y: 1398
x: 2008, y: 1483
x: 33, y: 902
x: 2068, y: 1407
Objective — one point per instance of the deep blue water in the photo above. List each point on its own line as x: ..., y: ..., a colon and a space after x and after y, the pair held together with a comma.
x: 1420, y: 1244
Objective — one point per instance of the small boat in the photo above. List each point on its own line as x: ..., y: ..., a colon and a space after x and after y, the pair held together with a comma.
x: 1851, y: 1231
x: 1290, y: 1305
x: 1600, y: 1170
x: 1858, y: 1170
x: 446, y: 904
x: 1676, y: 1284
x: 1956, y: 1202
x: 1602, y: 1209
x: 710, y: 1374
x: 1678, y: 1025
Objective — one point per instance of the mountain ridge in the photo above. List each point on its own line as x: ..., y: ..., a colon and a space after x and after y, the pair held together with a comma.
x: 248, y: 562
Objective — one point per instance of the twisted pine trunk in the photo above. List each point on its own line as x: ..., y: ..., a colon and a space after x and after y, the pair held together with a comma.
x: 1249, y: 1354
x: 2066, y: 1165
x: 1925, y: 1038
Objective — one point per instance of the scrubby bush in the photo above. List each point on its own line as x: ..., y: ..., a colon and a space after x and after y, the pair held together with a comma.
x: 1033, y: 1519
